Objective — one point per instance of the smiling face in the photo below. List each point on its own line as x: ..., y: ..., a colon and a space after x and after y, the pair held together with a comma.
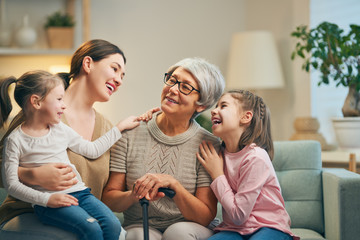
x: 53, y: 106
x: 175, y: 103
x: 229, y: 118
x: 105, y: 76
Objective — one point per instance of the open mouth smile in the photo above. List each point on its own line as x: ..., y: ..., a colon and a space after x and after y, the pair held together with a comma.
x: 171, y: 100
x: 110, y: 87
x: 215, y: 121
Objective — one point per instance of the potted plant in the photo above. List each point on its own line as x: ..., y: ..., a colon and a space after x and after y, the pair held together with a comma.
x: 60, y: 30
x: 336, y: 54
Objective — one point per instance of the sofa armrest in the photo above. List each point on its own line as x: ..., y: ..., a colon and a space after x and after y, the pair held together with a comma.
x: 341, y: 193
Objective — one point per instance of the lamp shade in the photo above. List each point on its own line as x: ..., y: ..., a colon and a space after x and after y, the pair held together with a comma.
x: 254, y: 62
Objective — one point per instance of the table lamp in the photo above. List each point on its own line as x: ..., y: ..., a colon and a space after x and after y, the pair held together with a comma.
x: 254, y: 62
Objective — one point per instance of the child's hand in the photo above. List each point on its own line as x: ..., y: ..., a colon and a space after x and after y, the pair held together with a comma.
x: 211, y: 160
x: 57, y: 200
x: 128, y: 123
x: 148, y: 115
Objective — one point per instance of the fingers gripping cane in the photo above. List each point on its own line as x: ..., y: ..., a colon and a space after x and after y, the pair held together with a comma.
x: 145, y: 204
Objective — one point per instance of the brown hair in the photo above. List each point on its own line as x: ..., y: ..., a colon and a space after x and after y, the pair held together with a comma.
x: 259, y: 130
x: 37, y: 82
x: 97, y: 49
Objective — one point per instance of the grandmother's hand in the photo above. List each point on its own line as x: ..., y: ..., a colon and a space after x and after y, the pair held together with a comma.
x: 148, y: 185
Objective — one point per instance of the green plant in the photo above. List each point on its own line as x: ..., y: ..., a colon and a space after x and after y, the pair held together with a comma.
x: 59, y: 19
x: 204, y: 121
x: 336, y: 54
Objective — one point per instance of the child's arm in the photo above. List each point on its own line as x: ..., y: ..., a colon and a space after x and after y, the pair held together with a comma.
x: 211, y: 160
x: 17, y: 189
x: 98, y: 147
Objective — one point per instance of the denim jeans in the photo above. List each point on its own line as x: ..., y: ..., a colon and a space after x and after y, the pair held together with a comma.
x: 91, y: 219
x: 261, y: 234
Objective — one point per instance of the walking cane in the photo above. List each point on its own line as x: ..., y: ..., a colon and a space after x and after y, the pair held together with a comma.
x: 145, y: 204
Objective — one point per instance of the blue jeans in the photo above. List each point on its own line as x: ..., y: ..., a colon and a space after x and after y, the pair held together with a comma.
x: 261, y: 234
x: 91, y: 219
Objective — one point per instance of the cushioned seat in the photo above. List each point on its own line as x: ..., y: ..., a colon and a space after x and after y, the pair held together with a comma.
x: 322, y: 203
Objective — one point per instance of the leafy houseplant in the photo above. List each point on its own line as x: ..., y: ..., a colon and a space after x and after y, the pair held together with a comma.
x: 328, y: 49
x: 60, y: 30
x: 59, y: 19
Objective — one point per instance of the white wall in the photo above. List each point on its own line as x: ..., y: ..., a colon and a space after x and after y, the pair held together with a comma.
x: 155, y: 34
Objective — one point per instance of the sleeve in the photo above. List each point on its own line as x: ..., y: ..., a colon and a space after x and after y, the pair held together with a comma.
x: 18, y: 119
x: 11, y: 180
x: 92, y: 149
x: 253, y: 174
x: 118, y: 155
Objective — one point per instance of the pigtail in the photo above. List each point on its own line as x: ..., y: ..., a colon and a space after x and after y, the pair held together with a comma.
x: 263, y: 137
x: 65, y: 77
x: 5, y: 102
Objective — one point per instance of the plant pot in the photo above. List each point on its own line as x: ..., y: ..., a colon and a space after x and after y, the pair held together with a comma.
x: 60, y: 37
x: 347, y: 131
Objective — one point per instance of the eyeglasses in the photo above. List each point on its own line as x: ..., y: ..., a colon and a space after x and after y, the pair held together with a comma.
x: 184, y: 88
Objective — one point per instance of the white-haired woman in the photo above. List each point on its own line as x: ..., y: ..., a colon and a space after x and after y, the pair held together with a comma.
x: 162, y: 153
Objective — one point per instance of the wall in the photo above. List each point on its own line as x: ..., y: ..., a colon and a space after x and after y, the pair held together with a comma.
x: 155, y: 34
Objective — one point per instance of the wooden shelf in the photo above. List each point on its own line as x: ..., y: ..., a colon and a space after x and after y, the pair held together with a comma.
x: 84, y: 8
x: 33, y: 51
x: 341, y: 159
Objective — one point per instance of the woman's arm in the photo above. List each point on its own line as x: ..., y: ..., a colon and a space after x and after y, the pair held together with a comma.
x: 52, y: 176
x: 200, y: 208
x: 114, y: 194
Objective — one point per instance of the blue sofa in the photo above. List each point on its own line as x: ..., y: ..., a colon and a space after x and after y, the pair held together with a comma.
x: 322, y: 203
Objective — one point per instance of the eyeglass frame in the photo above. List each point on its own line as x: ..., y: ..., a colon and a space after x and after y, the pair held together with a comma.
x: 168, y: 76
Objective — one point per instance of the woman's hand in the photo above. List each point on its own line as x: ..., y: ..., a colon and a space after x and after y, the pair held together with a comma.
x: 211, y: 160
x: 148, y: 115
x: 149, y: 184
x: 57, y: 200
x: 51, y: 176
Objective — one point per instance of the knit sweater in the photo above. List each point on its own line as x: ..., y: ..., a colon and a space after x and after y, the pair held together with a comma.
x: 94, y: 173
x: 146, y: 149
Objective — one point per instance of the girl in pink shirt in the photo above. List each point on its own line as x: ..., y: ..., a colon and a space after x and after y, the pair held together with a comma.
x: 244, y: 180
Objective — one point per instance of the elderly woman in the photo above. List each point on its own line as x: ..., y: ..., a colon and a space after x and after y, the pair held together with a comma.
x: 162, y: 153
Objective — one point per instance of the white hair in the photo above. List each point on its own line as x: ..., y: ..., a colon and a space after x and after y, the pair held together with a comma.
x: 211, y: 81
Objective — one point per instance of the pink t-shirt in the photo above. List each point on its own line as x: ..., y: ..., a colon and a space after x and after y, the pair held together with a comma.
x: 250, y: 193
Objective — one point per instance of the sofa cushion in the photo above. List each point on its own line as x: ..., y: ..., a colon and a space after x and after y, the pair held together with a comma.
x: 298, y: 168
x: 307, y: 234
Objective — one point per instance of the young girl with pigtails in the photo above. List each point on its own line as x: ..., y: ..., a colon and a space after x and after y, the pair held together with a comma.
x: 244, y: 179
x: 41, y: 139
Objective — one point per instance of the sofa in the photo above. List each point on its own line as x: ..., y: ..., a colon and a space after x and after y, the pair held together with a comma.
x: 322, y: 203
